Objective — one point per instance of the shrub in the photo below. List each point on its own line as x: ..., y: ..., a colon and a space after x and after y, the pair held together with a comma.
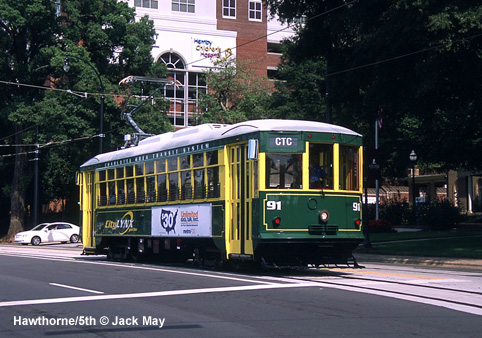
x: 396, y: 211
x: 378, y: 226
x: 439, y: 215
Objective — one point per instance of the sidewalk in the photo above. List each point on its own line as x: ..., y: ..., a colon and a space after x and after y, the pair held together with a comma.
x: 436, y: 262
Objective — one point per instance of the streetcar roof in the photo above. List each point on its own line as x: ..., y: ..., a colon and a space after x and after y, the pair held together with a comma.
x: 210, y: 132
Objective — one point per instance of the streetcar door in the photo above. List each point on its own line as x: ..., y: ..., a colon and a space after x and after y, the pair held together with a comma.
x: 86, y: 204
x: 238, y: 239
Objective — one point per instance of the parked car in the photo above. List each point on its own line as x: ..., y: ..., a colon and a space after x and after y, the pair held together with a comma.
x: 49, y: 232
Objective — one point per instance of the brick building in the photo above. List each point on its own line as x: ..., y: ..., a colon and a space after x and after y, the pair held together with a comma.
x: 191, y: 35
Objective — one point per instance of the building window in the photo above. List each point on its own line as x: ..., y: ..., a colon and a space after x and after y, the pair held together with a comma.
x: 185, y: 94
x: 255, y: 10
x: 186, y: 6
x: 229, y: 8
x: 146, y: 3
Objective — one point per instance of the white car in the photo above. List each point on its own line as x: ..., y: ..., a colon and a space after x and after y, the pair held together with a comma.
x: 49, y: 232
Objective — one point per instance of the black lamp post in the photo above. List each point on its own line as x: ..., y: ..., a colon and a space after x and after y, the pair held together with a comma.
x: 413, y: 158
x: 101, y: 110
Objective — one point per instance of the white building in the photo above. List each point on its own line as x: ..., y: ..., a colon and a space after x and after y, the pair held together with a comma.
x: 191, y: 35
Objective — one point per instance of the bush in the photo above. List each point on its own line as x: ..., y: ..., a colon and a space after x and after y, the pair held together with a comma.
x: 396, y: 211
x: 378, y: 226
x: 436, y: 215
x: 439, y: 215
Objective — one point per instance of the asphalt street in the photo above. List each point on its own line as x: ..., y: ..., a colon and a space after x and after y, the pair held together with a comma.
x: 53, y: 291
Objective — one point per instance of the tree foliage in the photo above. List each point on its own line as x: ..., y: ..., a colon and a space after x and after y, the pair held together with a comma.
x: 235, y: 94
x: 418, y: 60
x: 101, y: 37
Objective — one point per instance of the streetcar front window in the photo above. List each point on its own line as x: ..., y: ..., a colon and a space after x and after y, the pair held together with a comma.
x: 349, y: 168
x: 321, y: 166
x: 284, y: 171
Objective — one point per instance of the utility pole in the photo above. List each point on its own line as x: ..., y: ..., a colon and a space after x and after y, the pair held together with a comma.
x: 35, y: 180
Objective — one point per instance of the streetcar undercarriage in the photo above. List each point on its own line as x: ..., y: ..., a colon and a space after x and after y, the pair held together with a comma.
x: 203, y: 252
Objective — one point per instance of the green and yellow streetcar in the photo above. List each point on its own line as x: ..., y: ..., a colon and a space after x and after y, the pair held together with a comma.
x: 275, y: 192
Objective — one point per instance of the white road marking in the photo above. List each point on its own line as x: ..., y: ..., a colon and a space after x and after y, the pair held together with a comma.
x: 75, y: 288
x: 154, y: 294
x: 414, y: 298
x: 140, y: 267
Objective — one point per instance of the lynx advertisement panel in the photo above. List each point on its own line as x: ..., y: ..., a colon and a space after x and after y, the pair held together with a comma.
x: 193, y: 220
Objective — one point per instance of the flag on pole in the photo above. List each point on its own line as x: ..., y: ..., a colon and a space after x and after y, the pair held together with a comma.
x: 380, y: 118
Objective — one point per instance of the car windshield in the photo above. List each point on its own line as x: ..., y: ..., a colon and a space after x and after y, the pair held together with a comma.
x: 38, y: 227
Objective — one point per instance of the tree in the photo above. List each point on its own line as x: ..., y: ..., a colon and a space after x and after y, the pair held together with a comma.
x: 419, y: 60
x: 25, y: 29
x: 235, y: 94
x: 34, y: 43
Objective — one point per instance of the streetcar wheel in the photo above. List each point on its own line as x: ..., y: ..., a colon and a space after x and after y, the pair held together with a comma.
x: 35, y: 240
x: 74, y: 238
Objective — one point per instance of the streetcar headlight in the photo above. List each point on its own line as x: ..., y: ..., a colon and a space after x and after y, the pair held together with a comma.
x: 324, y: 216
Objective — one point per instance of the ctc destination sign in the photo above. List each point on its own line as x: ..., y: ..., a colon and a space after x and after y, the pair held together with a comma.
x: 284, y: 143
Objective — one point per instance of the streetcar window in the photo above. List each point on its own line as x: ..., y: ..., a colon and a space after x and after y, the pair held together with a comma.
x: 149, y: 168
x: 102, y: 175
x: 102, y: 194
x: 321, y: 166
x: 139, y: 169
x: 161, y: 188
x: 212, y: 157
x: 131, y: 196
x: 348, y: 168
x: 161, y: 166
x: 185, y: 162
x: 172, y: 164
x: 186, y: 189
x: 284, y: 171
x: 197, y: 160
x: 111, y: 174
x: 199, y: 190
x: 185, y: 177
x: 213, y: 182
x: 140, y: 190
x: 121, y: 197
x: 120, y: 172
x: 173, y: 187
x: 111, y: 192
x: 151, y: 188
x: 129, y: 171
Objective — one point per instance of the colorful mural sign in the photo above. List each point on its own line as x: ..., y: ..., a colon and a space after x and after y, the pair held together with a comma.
x: 208, y: 49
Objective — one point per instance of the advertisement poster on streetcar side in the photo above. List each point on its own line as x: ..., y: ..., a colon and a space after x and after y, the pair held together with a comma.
x: 123, y: 223
x: 193, y: 220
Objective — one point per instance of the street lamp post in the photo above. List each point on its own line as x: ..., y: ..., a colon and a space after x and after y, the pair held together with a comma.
x: 413, y: 158
x: 101, y: 110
